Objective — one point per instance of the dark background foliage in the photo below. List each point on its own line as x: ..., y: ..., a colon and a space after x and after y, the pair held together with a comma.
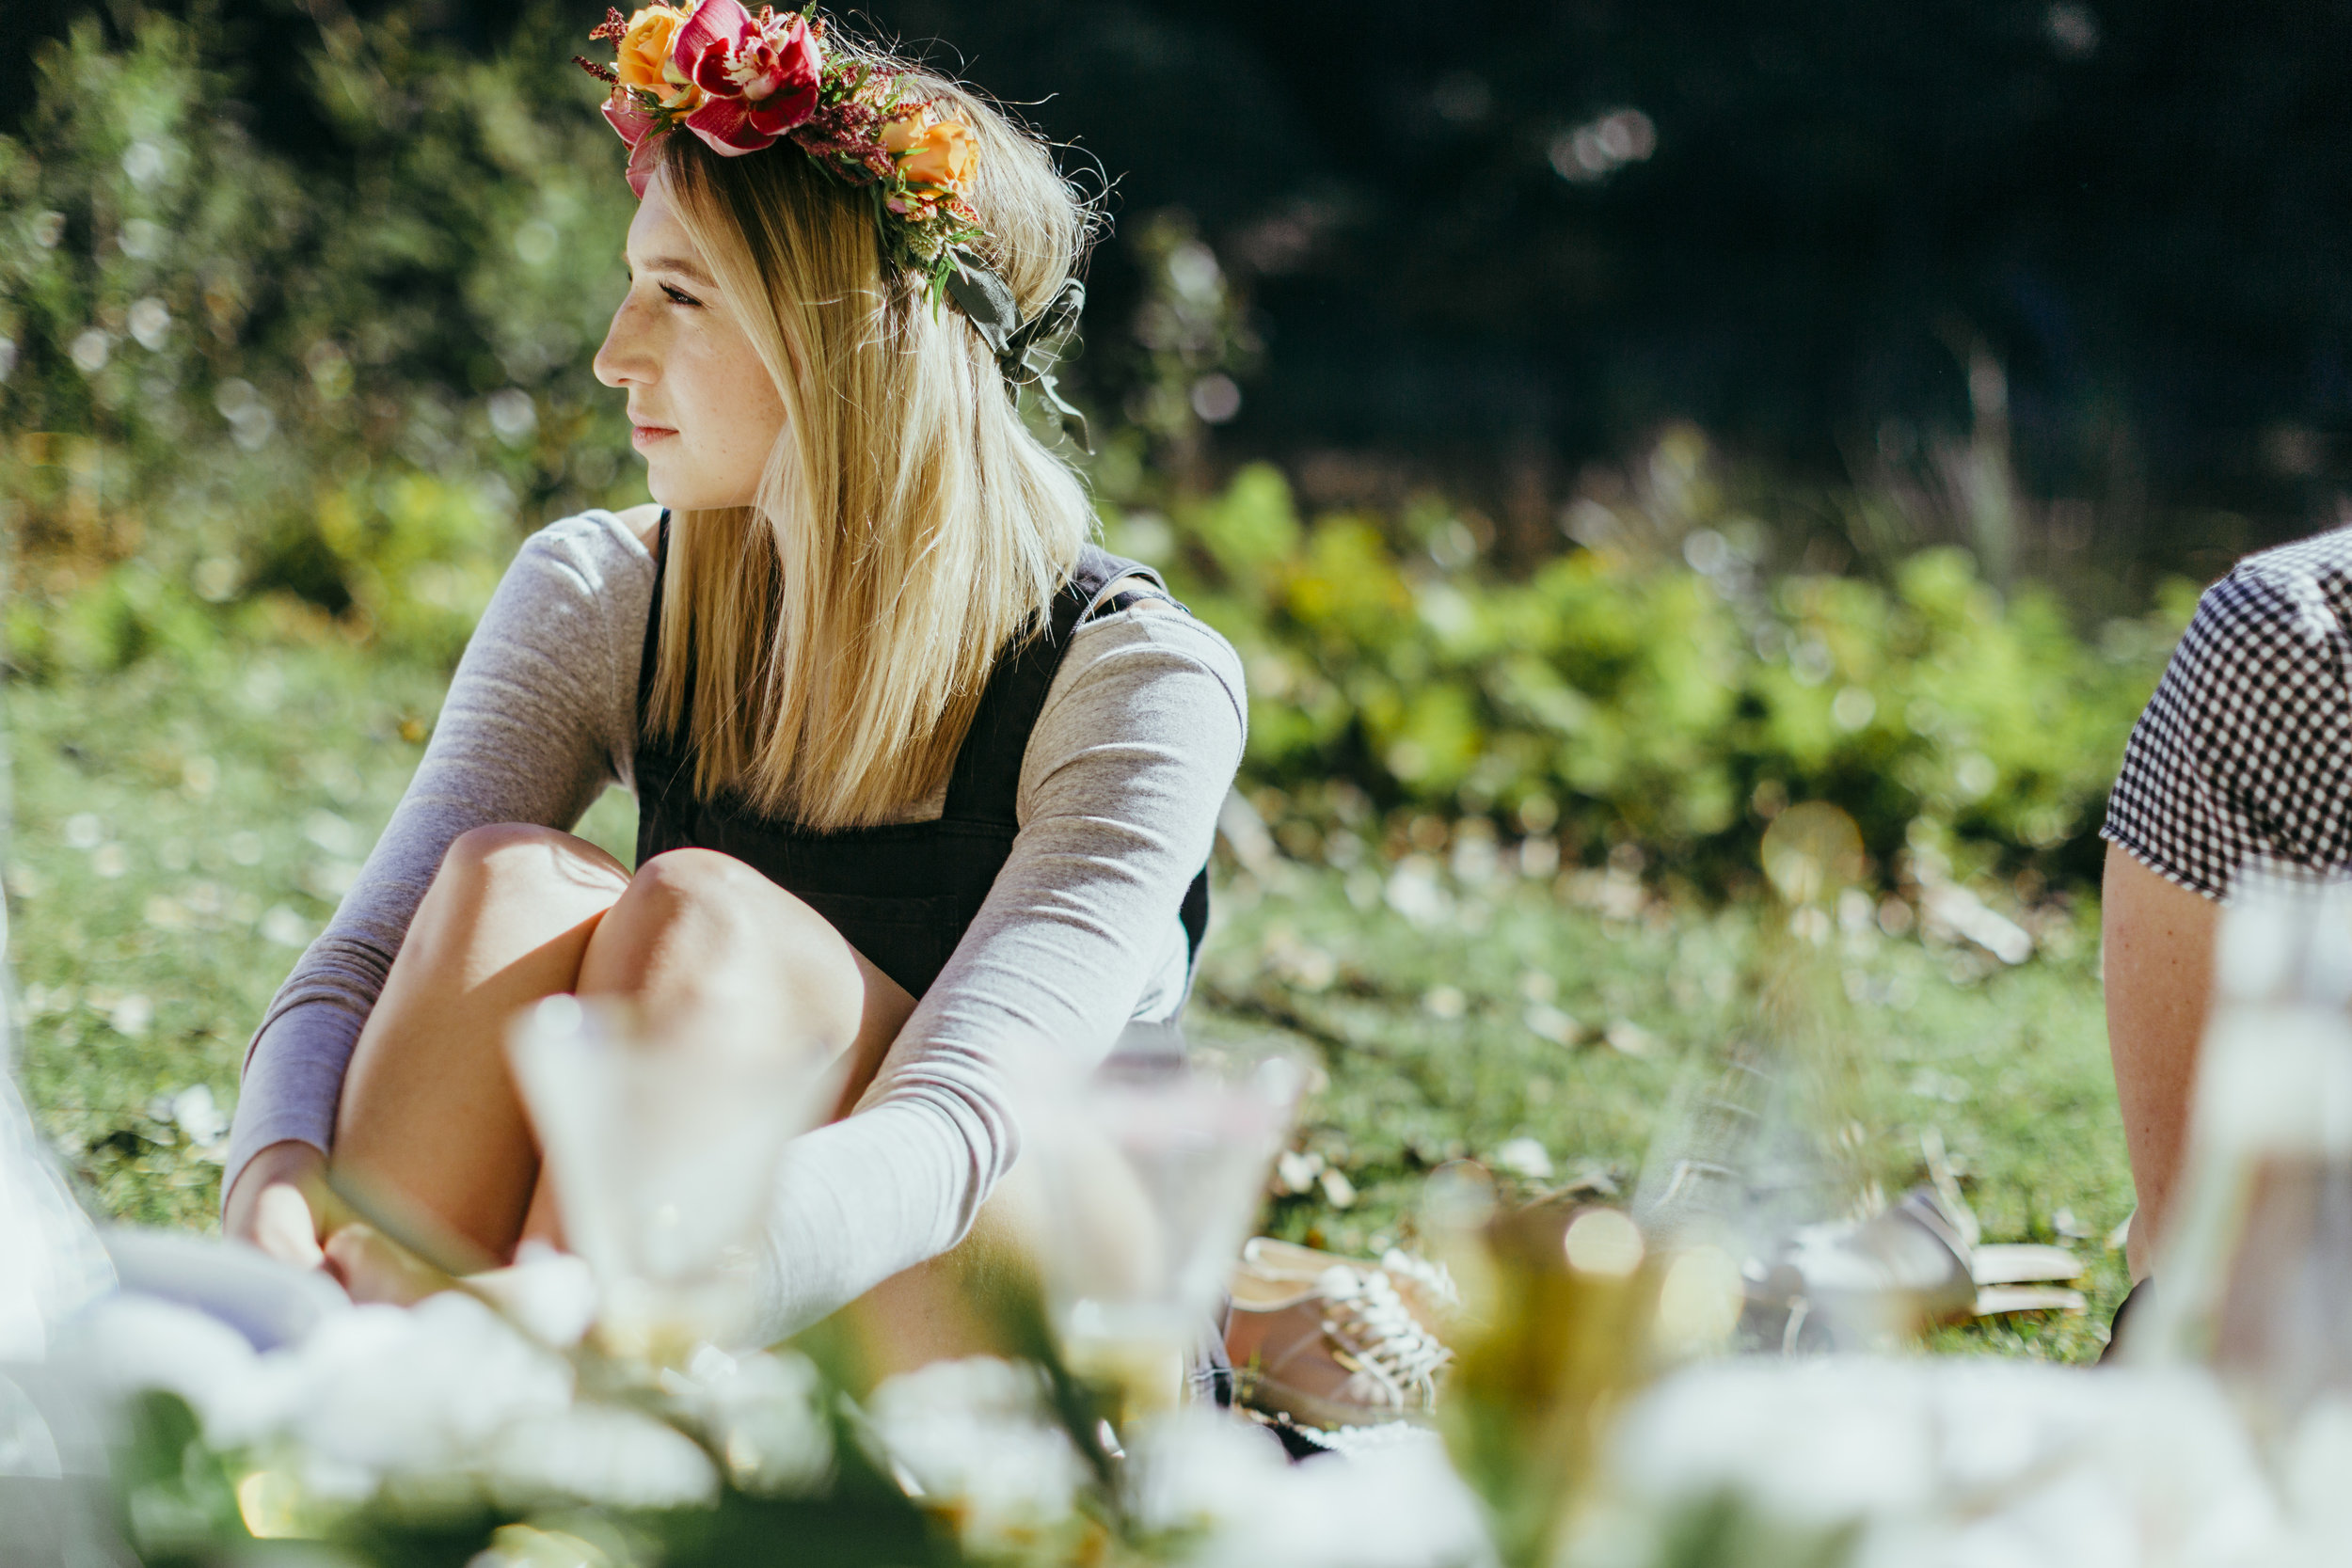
x: 2135, y: 216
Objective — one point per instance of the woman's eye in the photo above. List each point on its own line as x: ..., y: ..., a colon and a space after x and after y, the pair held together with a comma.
x: 680, y: 296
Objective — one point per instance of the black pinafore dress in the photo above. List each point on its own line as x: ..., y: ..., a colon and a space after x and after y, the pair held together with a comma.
x: 904, y: 893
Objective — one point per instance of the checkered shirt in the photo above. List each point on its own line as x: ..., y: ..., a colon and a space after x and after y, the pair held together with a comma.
x: 2246, y: 750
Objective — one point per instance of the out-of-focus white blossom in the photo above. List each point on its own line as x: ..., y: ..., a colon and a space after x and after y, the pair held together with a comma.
x: 553, y: 1294
x: 1525, y: 1157
x: 764, y: 1413
x: 416, y: 1390
x: 1228, y: 1495
x: 1952, y: 1462
x: 125, y: 1344
x: 972, y: 1439
x: 601, y: 1453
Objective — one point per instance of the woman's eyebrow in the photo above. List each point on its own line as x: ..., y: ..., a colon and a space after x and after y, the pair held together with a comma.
x: 682, y: 266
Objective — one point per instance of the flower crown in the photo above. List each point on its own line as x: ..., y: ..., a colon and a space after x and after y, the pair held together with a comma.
x: 743, y: 83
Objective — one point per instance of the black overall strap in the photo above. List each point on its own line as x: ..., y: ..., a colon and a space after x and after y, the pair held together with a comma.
x: 987, y: 778
x: 986, y: 782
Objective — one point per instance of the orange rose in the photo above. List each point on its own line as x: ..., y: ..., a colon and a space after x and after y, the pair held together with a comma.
x: 644, y: 55
x: 944, y: 154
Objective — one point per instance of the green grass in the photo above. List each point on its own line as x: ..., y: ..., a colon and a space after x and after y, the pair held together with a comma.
x: 180, y: 830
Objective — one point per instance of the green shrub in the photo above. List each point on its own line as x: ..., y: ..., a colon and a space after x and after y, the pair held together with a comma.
x: 355, y: 377
x: 1636, y: 698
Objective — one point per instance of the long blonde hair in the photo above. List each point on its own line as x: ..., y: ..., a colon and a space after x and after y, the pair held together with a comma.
x: 826, y: 646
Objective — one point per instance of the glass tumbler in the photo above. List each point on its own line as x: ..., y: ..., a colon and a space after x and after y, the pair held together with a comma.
x: 1155, y: 1165
x: 662, y: 1151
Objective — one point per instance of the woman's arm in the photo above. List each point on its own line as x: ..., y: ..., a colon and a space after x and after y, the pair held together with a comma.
x: 1121, y: 787
x: 540, y: 716
x: 2158, y: 970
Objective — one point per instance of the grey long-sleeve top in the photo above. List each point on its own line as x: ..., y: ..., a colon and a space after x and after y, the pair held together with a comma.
x: 1137, y: 742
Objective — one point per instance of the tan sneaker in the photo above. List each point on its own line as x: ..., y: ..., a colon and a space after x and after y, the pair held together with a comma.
x: 1428, y: 1290
x: 1342, y: 1348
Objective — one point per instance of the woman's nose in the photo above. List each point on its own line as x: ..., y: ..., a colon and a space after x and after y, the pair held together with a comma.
x: 622, y: 360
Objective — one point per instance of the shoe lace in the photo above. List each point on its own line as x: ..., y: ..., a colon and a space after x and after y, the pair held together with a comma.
x: 1433, y: 1282
x: 1378, y: 1338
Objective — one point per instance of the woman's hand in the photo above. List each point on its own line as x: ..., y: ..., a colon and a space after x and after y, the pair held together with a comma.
x: 282, y: 1204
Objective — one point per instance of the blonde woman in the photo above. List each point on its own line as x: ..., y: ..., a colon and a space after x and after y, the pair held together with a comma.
x: 923, y: 776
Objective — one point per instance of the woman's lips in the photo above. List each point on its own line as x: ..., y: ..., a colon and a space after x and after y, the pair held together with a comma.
x: 648, y: 434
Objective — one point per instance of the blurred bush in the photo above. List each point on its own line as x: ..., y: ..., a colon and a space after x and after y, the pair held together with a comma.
x: 1677, y: 699
x: 343, y: 379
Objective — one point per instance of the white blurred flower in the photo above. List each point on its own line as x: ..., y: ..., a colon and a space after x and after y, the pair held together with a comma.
x: 131, y: 1015
x: 600, y: 1453
x: 1952, y: 910
x: 1389, y: 1504
x: 125, y: 1344
x: 1414, y: 892
x: 142, y: 240
x: 286, y: 929
x: 1525, y: 1157
x: 418, y: 1391
x: 144, y: 161
x: 513, y: 417
x: 151, y: 323
x: 334, y: 834
x: 1548, y: 1022
x: 1955, y: 1462
x: 195, y: 1112
x: 90, y: 349
x: 972, y: 1437
x: 250, y: 422
x: 764, y: 1414
x: 1295, y: 1170
x: 550, y: 1293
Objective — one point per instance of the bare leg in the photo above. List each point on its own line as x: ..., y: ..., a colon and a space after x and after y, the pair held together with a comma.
x: 710, y: 946
x: 707, y: 944
x: 704, y: 942
x: 429, y: 1110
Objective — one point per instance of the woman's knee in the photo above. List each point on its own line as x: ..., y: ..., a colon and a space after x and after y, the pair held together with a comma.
x: 525, y: 857
x: 702, y: 918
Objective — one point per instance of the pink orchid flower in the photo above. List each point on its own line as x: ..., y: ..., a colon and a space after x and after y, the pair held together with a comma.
x: 633, y: 120
x: 761, y: 77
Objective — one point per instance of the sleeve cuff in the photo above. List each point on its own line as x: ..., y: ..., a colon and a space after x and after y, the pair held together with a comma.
x: 290, y: 1092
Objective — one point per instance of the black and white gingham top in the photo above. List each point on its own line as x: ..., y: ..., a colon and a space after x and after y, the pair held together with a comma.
x: 2246, y: 750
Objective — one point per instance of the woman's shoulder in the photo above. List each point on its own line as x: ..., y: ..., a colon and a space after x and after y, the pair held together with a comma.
x: 579, y: 584
x: 1153, y: 644
x: 596, y: 551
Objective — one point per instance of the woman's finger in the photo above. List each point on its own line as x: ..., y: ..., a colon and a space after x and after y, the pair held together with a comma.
x: 284, y: 1226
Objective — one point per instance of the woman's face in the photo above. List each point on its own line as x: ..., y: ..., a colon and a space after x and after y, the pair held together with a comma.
x: 704, y: 413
